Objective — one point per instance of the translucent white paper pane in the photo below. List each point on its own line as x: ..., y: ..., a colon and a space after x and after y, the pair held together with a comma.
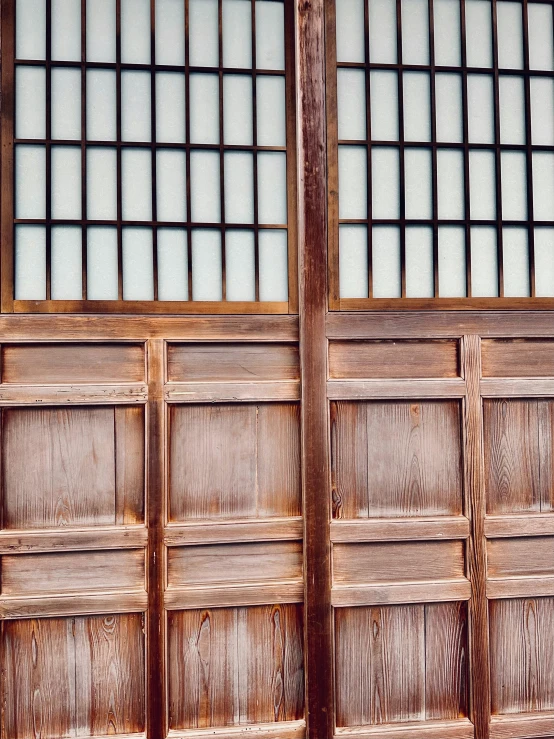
x: 272, y: 188
x: 543, y: 185
x: 447, y: 33
x: 417, y: 106
x: 480, y: 108
x: 382, y: 32
x: 66, y: 182
x: 510, y: 34
x: 544, y: 262
x: 101, y: 105
x: 515, y: 252
x: 448, y: 91
x: 542, y: 111
x: 66, y: 103
x: 170, y: 108
x: 170, y: 32
x: 237, y: 109
x: 274, y: 268
x: 479, y: 33
x: 240, y: 268
x: 350, y: 27
x: 206, y: 265
x: 512, y: 110
x: 270, y: 34
x: 239, y: 187
x: 450, y: 184
x: 384, y: 106
x: 172, y: 264
x: 204, y: 108
x: 66, y: 30
x: 30, y: 29
x: 30, y: 182
x: 514, y: 186
x: 482, y: 185
x: 541, y: 38
x: 205, y: 187
x: 452, y: 262
x: 138, y: 264
x: 385, y: 178
x: 415, y: 36
x: 102, y: 274
x: 387, y: 281
x: 30, y: 103
x: 101, y: 184
x: 419, y: 262
x: 484, y: 262
x: 30, y: 263
x: 136, y: 180
x: 271, y: 111
x: 351, y: 104
x: 135, y: 31
x: 353, y: 267
x: 66, y: 263
x: 352, y: 182
x: 135, y: 106
x: 203, y: 33
x: 237, y: 34
x: 171, y: 191
x: 419, y: 186
x: 101, y: 27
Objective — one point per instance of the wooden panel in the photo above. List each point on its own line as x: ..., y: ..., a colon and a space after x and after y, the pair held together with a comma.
x: 379, y: 529
x: 55, y: 364
x: 518, y: 358
x: 393, y: 359
x: 232, y: 362
x: 73, y: 539
x: 129, y: 465
x: 73, y: 677
x: 521, y: 557
x: 429, y: 591
x: 458, y: 729
x: 526, y: 726
x: 521, y: 525
x: 230, y: 392
x: 236, y: 666
x: 228, y: 596
x: 73, y: 604
x: 281, y: 730
x: 381, y: 389
x: 232, y: 531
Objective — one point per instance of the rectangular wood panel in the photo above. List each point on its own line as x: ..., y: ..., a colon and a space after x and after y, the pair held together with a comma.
x: 521, y: 557
x: 353, y: 360
x: 518, y: 358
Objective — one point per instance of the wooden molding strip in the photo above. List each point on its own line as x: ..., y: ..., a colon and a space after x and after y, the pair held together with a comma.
x: 72, y: 394
x: 278, y: 730
x: 227, y: 532
x: 23, y: 542
x: 74, y: 605
x: 522, y: 726
x: 194, y: 392
x: 396, y: 593
x: 365, y: 389
x: 229, y: 596
x: 520, y: 587
x: 510, y: 387
x: 441, y: 527
x: 459, y: 729
x: 540, y: 524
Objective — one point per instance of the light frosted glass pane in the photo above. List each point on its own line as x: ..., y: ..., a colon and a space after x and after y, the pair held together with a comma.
x: 479, y: 33
x: 452, y: 262
x: 419, y: 185
x: 30, y: 182
x: 239, y: 187
x: 135, y: 31
x: 448, y: 91
x: 271, y: 111
x: 541, y: 38
x: 274, y: 267
x: 101, y: 184
x: 30, y: 29
x: 170, y: 32
x: 350, y: 31
x: 240, y: 268
x: 270, y: 34
x: 206, y: 265
x: 385, y: 178
x: 237, y: 109
x: 204, y: 187
x: 353, y: 267
x: 101, y: 27
x: 543, y: 185
x: 510, y: 34
x: 382, y: 32
x: 170, y: 108
x: 512, y: 110
x: 544, y: 262
x: 514, y: 186
x: 417, y: 106
x: 66, y: 30
x: 386, y: 262
x: 67, y: 263
x: 272, y: 188
x: 171, y: 191
x: 30, y: 263
x: 484, y: 262
x: 66, y: 103
x: 448, y: 42
x: 136, y: 180
x: 542, y: 111
x: 415, y: 38
x: 172, y: 264
x: 204, y: 108
x: 482, y: 183
x: 203, y: 33
x: 450, y: 184
x: 237, y: 34
x: 480, y: 108
x: 352, y: 182
x: 384, y: 106
x: 138, y: 264
x: 30, y: 103
x: 351, y: 104
x: 515, y: 253
x: 102, y: 273
x: 419, y: 262
x: 101, y: 105
x: 135, y: 106
x: 66, y: 182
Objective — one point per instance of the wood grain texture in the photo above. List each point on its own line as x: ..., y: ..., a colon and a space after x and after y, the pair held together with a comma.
x: 65, y: 540
x: 382, y: 529
x: 129, y: 465
x: 230, y: 392
x: 518, y: 358
x: 343, y: 596
x: 459, y: 729
x: 350, y: 360
x: 229, y: 596
x: 74, y: 604
x: 283, y: 730
x: 394, y: 389
x: 541, y: 524
x: 521, y: 557
x: 232, y: 531
x: 523, y: 726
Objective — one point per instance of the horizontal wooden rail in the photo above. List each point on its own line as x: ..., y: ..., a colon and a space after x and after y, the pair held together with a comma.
x: 441, y: 527
x: 229, y: 596
x: 520, y: 587
x: 227, y: 532
x: 458, y: 729
x: 523, y: 726
x: 117, y: 537
x: 369, y: 389
x: 539, y: 524
x: 194, y: 392
x: 74, y: 604
x: 278, y: 730
x: 436, y: 591
x: 508, y: 387
x: 72, y: 394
